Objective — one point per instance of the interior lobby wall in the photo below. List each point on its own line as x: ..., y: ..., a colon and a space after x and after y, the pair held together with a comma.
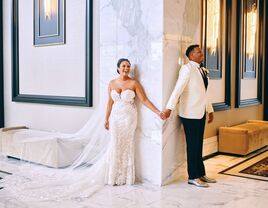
x: 42, y: 116
x: 131, y: 29
x: 234, y: 115
x: 127, y: 29
x: 155, y: 45
x: 183, y: 27
x: 1, y: 69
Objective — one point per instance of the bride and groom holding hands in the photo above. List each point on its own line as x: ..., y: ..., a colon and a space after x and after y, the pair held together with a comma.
x: 114, y: 163
x: 121, y: 118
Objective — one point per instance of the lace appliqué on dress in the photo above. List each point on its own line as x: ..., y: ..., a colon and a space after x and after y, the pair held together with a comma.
x: 123, y: 122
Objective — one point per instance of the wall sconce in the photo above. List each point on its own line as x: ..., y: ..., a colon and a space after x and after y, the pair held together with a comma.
x: 213, y: 25
x: 50, y: 8
x: 47, y: 9
x: 251, y: 28
x: 49, y: 22
x: 212, y: 36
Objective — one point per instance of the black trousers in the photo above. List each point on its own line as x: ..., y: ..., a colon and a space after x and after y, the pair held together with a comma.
x: 194, y: 132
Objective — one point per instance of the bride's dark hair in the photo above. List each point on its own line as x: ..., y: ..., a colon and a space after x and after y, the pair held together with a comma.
x: 120, y: 61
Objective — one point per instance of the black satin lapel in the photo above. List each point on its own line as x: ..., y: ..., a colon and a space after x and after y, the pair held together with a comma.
x: 205, y: 79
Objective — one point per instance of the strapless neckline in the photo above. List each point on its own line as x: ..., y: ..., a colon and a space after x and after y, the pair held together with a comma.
x: 127, y: 95
x: 120, y: 93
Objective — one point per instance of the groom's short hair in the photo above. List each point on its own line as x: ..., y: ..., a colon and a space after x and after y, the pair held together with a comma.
x: 190, y: 49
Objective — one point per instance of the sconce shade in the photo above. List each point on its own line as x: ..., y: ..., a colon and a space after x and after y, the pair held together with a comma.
x: 213, y: 25
x: 47, y: 9
x: 49, y: 22
x: 251, y: 30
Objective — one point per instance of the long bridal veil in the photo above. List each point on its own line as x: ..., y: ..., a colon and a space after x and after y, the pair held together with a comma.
x: 31, y: 182
x: 87, y: 174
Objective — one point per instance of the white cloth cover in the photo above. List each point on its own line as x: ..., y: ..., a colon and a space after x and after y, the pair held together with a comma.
x: 100, y: 158
x: 47, y: 148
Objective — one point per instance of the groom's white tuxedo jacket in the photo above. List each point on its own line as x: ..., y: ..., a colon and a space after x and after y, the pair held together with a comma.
x: 190, y: 93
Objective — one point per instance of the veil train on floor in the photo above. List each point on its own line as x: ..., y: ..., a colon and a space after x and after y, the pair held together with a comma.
x: 87, y: 174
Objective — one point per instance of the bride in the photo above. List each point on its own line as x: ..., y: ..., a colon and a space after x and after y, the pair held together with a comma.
x: 105, y: 159
x: 121, y: 120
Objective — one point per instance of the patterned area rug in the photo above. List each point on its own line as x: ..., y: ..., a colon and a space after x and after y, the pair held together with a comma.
x: 255, y: 167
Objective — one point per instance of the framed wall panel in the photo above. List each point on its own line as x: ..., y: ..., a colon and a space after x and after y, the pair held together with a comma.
x: 212, y: 33
x: 249, y: 52
x: 249, y: 9
x: 265, y: 108
x: 216, y: 43
x: 20, y: 95
x: 49, y: 22
x: 2, y: 123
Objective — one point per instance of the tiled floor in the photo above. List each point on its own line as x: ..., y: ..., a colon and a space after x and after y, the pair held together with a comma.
x: 228, y: 192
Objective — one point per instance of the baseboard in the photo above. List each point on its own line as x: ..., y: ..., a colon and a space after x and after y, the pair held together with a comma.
x: 210, y: 146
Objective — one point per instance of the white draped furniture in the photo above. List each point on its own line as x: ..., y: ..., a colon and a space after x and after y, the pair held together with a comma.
x: 46, y: 148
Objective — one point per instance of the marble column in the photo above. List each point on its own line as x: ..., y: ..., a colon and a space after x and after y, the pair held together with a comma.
x: 133, y: 29
x: 182, y: 26
x: 153, y: 35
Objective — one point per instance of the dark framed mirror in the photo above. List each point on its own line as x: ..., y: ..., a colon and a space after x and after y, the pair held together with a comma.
x: 216, y: 43
x: 2, y: 123
x: 249, y: 52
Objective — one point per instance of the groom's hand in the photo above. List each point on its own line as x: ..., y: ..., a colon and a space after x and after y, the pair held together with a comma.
x: 167, y: 113
x: 162, y: 115
x: 210, y: 117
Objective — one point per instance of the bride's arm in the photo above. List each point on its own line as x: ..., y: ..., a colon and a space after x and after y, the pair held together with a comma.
x: 143, y: 98
x: 110, y: 103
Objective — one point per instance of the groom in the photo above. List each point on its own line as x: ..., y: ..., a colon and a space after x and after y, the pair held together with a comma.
x: 191, y: 93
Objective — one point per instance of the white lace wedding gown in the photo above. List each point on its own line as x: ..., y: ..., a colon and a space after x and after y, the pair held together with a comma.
x: 113, y: 164
x: 123, y: 123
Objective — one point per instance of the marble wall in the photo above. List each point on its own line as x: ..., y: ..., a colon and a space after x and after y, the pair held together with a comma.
x: 134, y: 29
x: 182, y: 27
x: 64, y: 62
x: 154, y: 36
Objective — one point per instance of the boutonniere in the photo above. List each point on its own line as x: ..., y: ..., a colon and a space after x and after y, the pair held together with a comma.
x: 205, y: 70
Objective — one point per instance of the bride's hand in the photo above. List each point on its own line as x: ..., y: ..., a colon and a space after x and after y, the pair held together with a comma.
x: 162, y: 115
x: 106, y: 125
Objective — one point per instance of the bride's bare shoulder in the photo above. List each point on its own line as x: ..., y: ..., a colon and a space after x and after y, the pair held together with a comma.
x: 133, y: 82
x: 112, y: 82
x: 136, y: 82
